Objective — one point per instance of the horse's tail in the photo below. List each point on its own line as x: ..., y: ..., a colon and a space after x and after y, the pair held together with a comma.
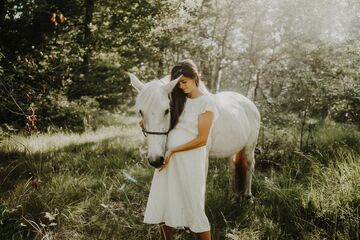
x: 240, y: 172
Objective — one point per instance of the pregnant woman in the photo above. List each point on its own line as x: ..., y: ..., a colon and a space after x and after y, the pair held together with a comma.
x: 177, y: 193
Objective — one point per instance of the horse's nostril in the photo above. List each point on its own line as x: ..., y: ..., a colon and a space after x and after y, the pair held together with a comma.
x: 157, y: 163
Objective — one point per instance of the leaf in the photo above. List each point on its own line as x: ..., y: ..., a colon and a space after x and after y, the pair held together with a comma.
x: 122, y: 187
x: 130, y: 178
x: 104, y: 205
x: 49, y: 216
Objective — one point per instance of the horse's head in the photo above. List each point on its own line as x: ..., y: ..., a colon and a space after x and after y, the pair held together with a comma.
x: 152, y: 103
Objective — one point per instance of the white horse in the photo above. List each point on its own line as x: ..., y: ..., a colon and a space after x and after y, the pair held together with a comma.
x: 235, y: 132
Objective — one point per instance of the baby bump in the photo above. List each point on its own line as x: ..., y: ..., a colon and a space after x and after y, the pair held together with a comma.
x: 179, y: 136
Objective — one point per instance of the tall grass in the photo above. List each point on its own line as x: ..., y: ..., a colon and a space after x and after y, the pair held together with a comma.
x: 95, y: 186
x: 51, y: 142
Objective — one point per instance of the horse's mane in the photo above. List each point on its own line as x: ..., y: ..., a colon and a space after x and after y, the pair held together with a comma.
x: 203, y: 88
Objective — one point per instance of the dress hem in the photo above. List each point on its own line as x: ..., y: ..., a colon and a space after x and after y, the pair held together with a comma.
x: 176, y: 227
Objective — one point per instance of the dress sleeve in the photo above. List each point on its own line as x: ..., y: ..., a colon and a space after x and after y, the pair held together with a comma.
x: 210, y: 105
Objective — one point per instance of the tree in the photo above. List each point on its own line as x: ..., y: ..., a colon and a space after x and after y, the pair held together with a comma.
x: 89, y: 4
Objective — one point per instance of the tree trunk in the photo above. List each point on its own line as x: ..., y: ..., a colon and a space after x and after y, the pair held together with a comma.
x: 302, y: 129
x: 2, y: 20
x: 2, y: 13
x: 257, y: 85
x: 160, y: 70
x: 216, y: 78
x: 215, y: 74
x: 218, y: 81
x: 87, y: 37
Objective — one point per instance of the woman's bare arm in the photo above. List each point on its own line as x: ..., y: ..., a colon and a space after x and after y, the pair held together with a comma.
x: 204, y: 124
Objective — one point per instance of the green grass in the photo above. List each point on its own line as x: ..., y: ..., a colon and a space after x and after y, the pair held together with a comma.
x: 95, y: 186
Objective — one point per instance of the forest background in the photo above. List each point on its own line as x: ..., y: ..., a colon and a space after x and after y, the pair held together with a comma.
x: 70, y: 160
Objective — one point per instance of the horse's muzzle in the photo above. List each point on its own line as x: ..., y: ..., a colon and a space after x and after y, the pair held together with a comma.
x: 157, y: 163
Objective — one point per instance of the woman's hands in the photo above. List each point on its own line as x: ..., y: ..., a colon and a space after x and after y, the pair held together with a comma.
x: 168, y: 153
x: 167, y: 158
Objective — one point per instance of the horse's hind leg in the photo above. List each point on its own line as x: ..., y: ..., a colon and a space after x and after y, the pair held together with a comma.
x: 249, y: 156
x: 244, y: 163
x: 240, y: 169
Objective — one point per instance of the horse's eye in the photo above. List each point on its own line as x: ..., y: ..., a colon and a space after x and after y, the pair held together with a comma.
x: 166, y: 111
x: 140, y: 112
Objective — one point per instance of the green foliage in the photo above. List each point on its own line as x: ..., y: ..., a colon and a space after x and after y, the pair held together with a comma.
x: 10, y: 224
x: 318, y: 79
x: 271, y: 57
x: 74, y: 115
x: 334, y: 195
x: 43, y: 59
x: 348, y: 108
x: 328, y: 139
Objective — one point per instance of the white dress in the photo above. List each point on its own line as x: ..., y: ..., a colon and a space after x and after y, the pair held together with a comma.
x: 177, y: 194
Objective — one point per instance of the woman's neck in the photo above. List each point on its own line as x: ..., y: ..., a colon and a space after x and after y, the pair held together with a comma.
x: 194, y: 94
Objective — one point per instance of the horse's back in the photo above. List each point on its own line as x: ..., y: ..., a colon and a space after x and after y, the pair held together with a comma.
x: 233, y: 101
x: 237, y: 126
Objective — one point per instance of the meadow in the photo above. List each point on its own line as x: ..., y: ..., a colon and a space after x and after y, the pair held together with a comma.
x: 94, y: 185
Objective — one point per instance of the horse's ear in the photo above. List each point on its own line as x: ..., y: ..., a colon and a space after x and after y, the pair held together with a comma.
x: 135, y: 82
x: 167, y: 88
x: 165, y: 79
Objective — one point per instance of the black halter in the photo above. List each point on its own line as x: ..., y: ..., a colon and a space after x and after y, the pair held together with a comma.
x: 145, y: 132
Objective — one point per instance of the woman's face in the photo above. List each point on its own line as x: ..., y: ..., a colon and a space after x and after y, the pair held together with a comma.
x: 187, y: 85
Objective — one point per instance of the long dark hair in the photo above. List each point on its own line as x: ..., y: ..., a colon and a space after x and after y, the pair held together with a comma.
x: 178, y: 98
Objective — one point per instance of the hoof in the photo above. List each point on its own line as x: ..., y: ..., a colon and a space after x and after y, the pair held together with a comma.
x: 245, y: 198
x: 249, y: 197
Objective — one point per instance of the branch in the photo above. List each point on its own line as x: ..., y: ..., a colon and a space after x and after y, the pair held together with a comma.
x: 12, y: 98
